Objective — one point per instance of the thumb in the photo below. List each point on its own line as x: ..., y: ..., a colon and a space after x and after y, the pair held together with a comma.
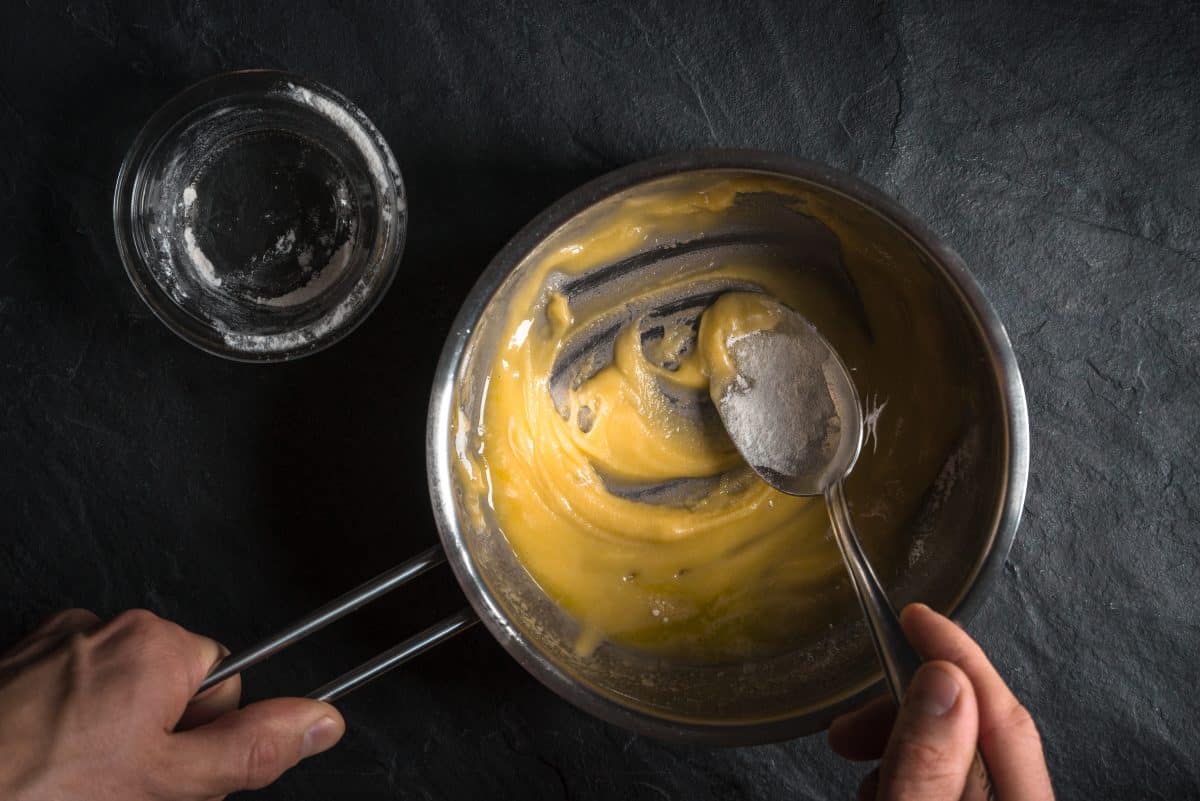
x: 933, y: 740
x: 251, y: 747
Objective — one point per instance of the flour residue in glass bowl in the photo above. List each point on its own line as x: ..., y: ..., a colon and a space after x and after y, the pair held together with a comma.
x: 302, y: 262
x: 319, y: 281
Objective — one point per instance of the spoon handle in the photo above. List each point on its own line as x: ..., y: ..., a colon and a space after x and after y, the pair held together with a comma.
x: 900, y: 661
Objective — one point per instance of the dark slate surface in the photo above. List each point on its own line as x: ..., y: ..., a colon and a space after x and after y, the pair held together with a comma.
x: 1056, y: 147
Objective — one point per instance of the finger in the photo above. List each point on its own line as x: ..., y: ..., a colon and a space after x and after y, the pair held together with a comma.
x: 1008, y: 737
x: 201, y: 655
x: 933, y: 740
x: 863, y: 734
x: 177, y: 658
x: 252, y: 747
x: 213, y: 702
x: 868, y: 788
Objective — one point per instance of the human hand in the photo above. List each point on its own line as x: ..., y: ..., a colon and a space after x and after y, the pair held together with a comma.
x: 104, y: 711
x: 956, y: 702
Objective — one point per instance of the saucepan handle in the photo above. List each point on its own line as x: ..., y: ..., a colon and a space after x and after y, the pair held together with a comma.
x: 339, y: 608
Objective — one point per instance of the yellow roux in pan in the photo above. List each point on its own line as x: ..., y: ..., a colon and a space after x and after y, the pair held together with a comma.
x: 745, y: 569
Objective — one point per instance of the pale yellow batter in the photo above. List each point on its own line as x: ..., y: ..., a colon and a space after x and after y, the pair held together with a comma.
x: 743, y: 569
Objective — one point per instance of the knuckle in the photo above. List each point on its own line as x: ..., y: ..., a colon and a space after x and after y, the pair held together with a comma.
x: 1018, y: 720
x: 262, y: 765
x: 919, y: 768
x: 145, y: 643
x: 919, y: 758
x: 140, y: 620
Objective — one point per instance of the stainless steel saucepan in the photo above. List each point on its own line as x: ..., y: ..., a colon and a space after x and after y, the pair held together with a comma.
x: 956, y: 542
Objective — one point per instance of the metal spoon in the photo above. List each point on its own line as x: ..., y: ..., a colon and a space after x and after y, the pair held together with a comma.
x: 793, y: 412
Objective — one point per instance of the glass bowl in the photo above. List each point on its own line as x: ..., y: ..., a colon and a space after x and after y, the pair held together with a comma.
x: 260, y: 215
x: 947, y: 551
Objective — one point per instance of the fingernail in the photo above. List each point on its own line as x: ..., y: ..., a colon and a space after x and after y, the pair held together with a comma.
x: 932, y: 692
x: 321, y: 736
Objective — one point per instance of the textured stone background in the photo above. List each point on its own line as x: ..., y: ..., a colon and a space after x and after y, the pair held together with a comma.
x: 1055, y: 145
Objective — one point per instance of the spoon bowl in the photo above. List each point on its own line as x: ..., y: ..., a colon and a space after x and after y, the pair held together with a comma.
x: 785, y: 396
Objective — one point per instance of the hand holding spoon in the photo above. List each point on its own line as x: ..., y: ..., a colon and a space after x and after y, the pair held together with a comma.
x: 791, y: 409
